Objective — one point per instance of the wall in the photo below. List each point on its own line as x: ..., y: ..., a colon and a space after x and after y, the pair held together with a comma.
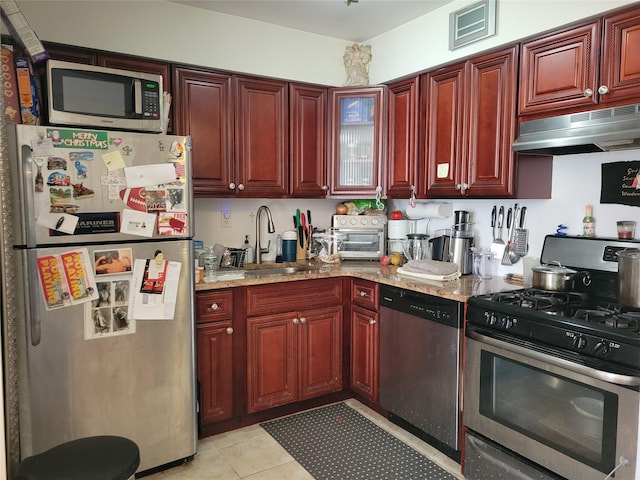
x: 576, y: 183
x: 424, y: 42
x: 198, y: 36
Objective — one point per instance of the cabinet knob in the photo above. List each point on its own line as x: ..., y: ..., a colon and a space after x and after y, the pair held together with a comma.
x: 462, y: 187
x: 325, y: 188
x: 295, y: 321
x: 214, y: 306
x: 362, y: 293
x: 603, y: 89
x: 240, y: 186
x: 303, y: 319
x: 229, y: 330
x: 232, y: 186
x: 372, y: 321
x: 588, y: 92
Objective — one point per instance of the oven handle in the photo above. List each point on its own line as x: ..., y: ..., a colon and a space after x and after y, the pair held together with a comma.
x: 615, y: 378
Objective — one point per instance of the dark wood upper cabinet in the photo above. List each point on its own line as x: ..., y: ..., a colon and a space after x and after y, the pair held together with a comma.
x: 203, y: 108
x: 356, y: 140
x: 620, y: 66
x: 308, y: 133
x: 470, y: 124
x: 583, y: 67
x: 560, y: 70
x: 402, y: 138
x: 261, y: 137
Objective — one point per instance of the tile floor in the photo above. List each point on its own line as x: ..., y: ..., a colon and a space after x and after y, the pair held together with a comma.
x: 250, y: 453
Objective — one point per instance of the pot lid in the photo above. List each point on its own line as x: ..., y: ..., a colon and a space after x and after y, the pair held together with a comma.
x: 554, y: 269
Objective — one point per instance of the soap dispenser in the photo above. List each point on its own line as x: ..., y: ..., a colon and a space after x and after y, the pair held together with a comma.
x: 248, y: 250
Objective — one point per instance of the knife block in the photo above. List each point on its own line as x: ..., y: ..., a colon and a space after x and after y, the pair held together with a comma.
x: 301, y: 250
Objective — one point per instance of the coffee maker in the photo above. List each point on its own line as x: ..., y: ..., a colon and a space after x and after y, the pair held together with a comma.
x: 462, y: 242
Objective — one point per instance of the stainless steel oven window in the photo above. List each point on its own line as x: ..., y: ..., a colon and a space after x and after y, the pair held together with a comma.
x: 573, y: 418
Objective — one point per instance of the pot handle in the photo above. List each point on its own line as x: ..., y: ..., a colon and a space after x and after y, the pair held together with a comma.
x: 586, y: 278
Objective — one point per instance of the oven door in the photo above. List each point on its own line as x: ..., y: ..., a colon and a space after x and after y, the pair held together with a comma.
x: 362, y: 244
x: 555, y: 413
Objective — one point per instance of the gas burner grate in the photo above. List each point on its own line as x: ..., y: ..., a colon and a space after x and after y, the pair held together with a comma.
x: 536, y: 299
x: 610, y: 316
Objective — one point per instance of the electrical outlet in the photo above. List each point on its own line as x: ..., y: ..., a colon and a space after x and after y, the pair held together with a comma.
x: 225, y: 218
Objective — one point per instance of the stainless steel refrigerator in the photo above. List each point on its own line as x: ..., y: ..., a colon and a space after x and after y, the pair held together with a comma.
x: 104, y: 289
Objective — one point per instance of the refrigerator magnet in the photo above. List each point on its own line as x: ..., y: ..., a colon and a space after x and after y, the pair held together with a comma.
x: 61, y: 222
x: 137, y: 223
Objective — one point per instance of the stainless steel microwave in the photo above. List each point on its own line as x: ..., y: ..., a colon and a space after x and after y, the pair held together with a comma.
x: 92, y: 96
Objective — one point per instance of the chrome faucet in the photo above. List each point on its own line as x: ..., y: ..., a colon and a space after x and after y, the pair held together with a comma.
x: 270, y: 228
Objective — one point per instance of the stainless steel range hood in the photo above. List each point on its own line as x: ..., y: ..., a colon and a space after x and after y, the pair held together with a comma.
x: 616, y: 128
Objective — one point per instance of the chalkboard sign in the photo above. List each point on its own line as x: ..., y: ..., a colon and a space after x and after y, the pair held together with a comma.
x: 621, y: 183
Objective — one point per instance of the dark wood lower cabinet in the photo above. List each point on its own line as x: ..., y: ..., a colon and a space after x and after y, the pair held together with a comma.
x: 293, y: 356
x: 215, y: 372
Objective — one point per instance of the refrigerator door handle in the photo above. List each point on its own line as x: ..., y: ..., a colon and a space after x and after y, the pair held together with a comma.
x: 31, y: 306
x: 27, y: 187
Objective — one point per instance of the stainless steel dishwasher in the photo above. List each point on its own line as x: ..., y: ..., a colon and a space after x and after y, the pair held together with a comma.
x: 420, y: 364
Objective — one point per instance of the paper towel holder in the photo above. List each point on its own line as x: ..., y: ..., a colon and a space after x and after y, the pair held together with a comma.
x: 429, y: 210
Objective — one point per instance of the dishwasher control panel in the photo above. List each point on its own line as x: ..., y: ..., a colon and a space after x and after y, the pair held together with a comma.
x: 430, y: 307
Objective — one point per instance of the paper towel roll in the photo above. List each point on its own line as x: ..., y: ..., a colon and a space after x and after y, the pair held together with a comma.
x: 429, y: 210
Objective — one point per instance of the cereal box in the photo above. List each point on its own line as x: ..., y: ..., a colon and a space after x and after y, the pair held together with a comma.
x: 27, y: 92
x: 9, y: 85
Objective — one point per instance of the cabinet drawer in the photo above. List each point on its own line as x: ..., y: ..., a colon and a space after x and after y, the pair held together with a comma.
x: 293, y: 296
x: 214, y: 306
x: 364, y: 293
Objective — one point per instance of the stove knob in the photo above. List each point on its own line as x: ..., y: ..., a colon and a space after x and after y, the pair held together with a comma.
x: 491, y: 319
x: 509, y: 323
x: 579, y: 342
x: 601, y: 348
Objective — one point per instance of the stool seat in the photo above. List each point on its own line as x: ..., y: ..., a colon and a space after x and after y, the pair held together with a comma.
x: 92, y: 458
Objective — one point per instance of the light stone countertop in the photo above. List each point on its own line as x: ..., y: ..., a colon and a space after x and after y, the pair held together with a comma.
x: 460, y: 290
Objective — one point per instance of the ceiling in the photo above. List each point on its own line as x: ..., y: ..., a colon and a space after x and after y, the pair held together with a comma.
x: 333, y: 18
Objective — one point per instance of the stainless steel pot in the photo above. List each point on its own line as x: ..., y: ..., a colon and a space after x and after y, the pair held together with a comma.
x: 557, y: 278
x: 629, y: 277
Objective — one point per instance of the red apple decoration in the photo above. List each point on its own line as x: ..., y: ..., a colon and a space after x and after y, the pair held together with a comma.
x: 384, y: 260
x: 396, y: 215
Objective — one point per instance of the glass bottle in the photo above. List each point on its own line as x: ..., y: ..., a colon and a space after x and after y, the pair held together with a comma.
x: 279, y: 258
x: 588, y: 223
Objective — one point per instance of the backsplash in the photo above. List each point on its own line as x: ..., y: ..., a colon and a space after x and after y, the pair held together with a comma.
x: 576, y: 183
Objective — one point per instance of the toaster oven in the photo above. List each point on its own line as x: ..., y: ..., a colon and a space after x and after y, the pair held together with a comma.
x: 363, y: 236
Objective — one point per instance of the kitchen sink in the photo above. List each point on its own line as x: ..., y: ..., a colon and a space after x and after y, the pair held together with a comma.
x: 262, y: 272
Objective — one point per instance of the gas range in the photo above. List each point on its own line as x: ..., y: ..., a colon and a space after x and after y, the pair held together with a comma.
x: 587, y: 323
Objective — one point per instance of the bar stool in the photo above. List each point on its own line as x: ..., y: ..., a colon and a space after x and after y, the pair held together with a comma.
x: 91, y: 458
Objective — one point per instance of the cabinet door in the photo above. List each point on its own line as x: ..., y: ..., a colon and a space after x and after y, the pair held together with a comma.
x: 215, y: 371
x: 203, y: 109
x: 356, y: 139
x: 560, y: 70
x: 262, y: 133
x: 620, y: 66
x: 444, y: 99
x: 491, y: 124
x: 308, y: 131
x: 66, y: 53
x: 402, y: 132
x: 319, y: 352
x: 364, y: 352
x: 135, y: 64
x: 271, y: 361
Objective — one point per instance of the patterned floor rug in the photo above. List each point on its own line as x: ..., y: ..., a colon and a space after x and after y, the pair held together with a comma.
x: 338, y: 443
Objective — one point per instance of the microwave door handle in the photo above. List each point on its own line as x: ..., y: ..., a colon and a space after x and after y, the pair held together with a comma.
x: 609, y: 377
x: 137, y: 97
